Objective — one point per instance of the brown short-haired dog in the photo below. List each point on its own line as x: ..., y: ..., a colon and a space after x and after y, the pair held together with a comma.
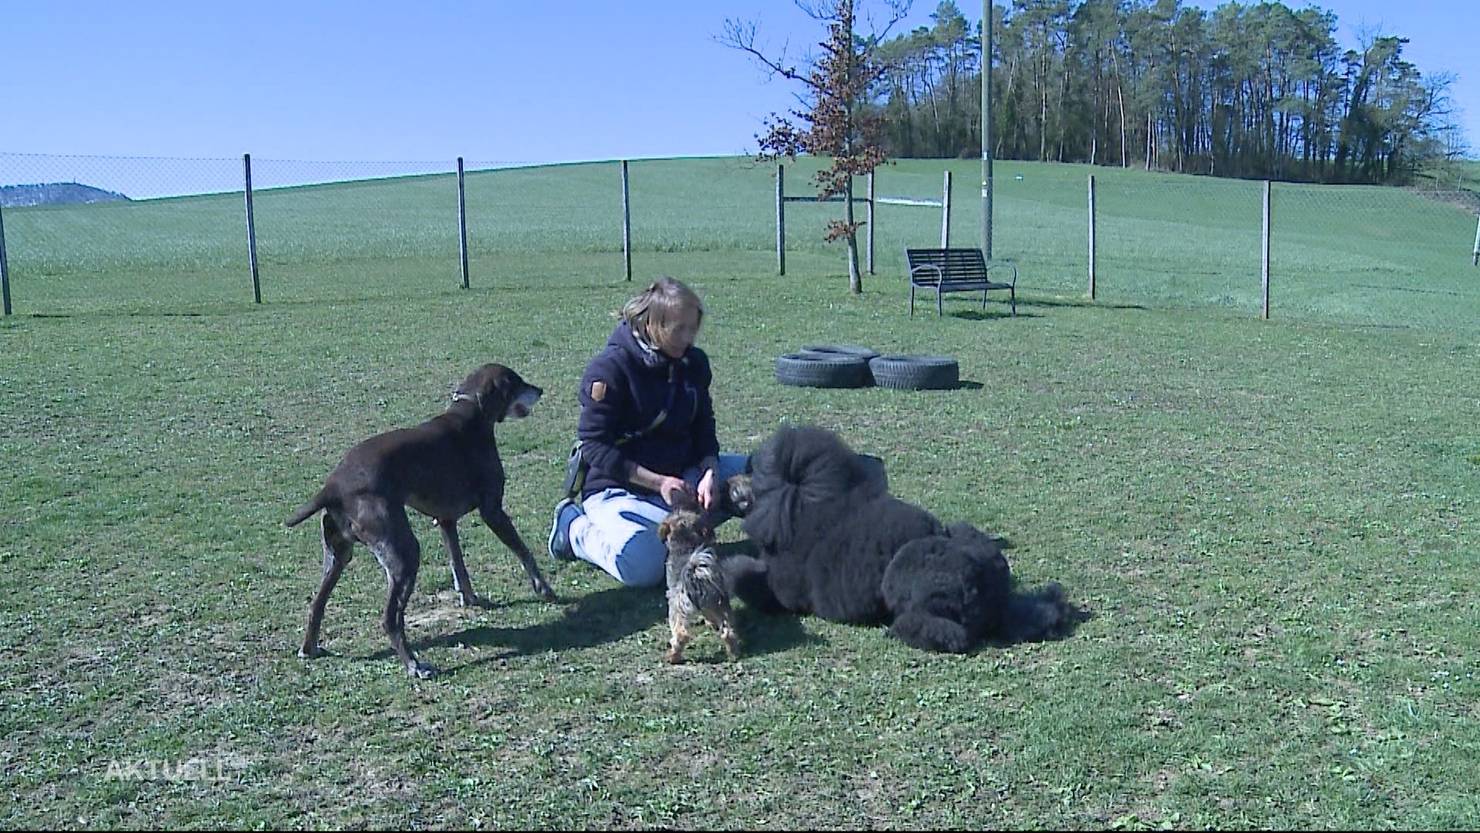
x: 695, y: 586
x: 445, y: 468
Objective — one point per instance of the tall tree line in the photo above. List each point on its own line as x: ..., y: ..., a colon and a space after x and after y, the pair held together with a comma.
x: 1255, y: 90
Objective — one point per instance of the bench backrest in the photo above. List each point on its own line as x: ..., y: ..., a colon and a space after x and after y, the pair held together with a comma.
x: 955, y: 265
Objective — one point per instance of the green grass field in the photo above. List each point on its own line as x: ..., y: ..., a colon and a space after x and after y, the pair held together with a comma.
x: 1272, y: 523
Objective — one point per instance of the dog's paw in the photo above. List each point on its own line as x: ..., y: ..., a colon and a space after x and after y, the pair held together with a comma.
x: 421, y: 670
x: 544, y: 591
x: 673, y: 657
x: 311, y: 651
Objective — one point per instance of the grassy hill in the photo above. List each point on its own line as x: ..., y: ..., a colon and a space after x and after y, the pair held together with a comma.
x: 1271, y: 523
x: 1349, y: 254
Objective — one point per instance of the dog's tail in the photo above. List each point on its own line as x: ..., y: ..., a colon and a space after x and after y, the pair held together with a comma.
x: 317, y: 502
x: 1040, y: 614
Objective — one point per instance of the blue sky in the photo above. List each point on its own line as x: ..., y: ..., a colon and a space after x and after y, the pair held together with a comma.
x: 497, y: 81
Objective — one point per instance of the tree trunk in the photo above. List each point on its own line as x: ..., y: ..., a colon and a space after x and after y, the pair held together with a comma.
x: 1043, y: 122
x: 1120, y: 94
x: 855, y: 277
x: 1150, y: 138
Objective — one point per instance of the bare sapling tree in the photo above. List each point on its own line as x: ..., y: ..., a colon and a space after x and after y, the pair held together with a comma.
x: 835, y: 119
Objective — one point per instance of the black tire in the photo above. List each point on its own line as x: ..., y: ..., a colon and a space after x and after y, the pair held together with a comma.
x: 829, y: 351
x: 817, y: 371
x: 840, y: 350
x: 915, y: 372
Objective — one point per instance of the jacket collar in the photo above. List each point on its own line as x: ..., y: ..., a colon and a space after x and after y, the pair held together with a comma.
x: 624, y: 339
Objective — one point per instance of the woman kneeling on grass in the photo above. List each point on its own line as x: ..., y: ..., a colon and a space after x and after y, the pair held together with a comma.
x: 647, y: 434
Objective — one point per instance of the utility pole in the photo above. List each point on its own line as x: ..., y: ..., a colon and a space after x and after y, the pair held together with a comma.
x: 987, y: 129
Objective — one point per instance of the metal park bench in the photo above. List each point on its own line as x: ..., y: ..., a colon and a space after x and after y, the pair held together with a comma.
x: 956, y: 270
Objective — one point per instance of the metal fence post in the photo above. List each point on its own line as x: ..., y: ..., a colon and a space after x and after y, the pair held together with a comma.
x: 251, y: 229
x: 780, y: 219
x: 1264, y: 252
x: 1474, y: 258
x: 1091, y: 237
x: 870, y: 222
x: 626, y: 222
x: 945, y: 213
x: 5, y: 266
x: 462, y: 223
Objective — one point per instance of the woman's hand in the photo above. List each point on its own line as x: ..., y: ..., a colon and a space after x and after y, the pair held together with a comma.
x: 709, y: 490
x: 673, y: 489
x: 668, y: 488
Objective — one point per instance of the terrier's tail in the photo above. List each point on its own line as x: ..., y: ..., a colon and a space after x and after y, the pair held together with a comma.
x: 702, y: 582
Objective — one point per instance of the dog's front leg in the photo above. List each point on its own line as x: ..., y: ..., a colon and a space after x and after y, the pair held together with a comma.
x: 678, y: 630
x: 460, y: 580
x: 494, y: 516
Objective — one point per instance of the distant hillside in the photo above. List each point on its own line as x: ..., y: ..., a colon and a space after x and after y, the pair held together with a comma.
x: 54, y: 193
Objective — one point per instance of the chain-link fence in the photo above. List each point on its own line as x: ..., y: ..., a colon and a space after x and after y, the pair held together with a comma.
x: 105, y: 233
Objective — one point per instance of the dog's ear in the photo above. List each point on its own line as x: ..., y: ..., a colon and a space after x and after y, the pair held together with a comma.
x: 685, y: 500
x: 489, y: 388
x: 494, y: 391
x: 474, y: 387
x: 664, y: 530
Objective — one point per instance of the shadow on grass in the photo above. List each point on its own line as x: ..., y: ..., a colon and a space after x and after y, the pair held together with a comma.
x: 993, y: 315
x: 598, y: 618
x: 207, y: 309
x: 1083, y: 303
x: 984, y: 315
x: 611, y: 615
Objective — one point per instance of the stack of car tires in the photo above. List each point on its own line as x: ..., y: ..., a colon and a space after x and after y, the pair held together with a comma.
x: 850, y: 366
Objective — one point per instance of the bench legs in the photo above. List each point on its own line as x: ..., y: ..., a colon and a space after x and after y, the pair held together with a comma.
x: 940, y: 304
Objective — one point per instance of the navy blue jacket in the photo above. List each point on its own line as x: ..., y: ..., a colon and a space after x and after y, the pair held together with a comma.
x: 634, y: 384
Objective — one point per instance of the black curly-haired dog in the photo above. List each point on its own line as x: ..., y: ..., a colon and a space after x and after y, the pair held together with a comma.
x: 833, y: 542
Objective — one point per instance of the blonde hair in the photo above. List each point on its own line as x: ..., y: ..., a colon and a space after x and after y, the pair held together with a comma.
x: 660, y: 309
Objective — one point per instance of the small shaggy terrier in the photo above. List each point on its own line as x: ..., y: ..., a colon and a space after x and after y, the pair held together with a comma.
x: 695, y: 586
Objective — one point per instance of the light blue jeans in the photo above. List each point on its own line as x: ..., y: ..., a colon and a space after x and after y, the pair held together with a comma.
x: 618, y: 531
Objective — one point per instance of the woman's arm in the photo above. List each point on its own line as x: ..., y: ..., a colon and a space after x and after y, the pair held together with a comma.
x: 664, y: 485
x: 705, y: 438
x: 603, y: 401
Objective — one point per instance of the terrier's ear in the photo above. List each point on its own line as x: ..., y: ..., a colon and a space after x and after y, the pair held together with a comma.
x: 706, y: 524
x: 664, y: 530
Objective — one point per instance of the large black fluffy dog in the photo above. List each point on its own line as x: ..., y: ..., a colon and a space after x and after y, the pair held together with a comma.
x: 833, y: 542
